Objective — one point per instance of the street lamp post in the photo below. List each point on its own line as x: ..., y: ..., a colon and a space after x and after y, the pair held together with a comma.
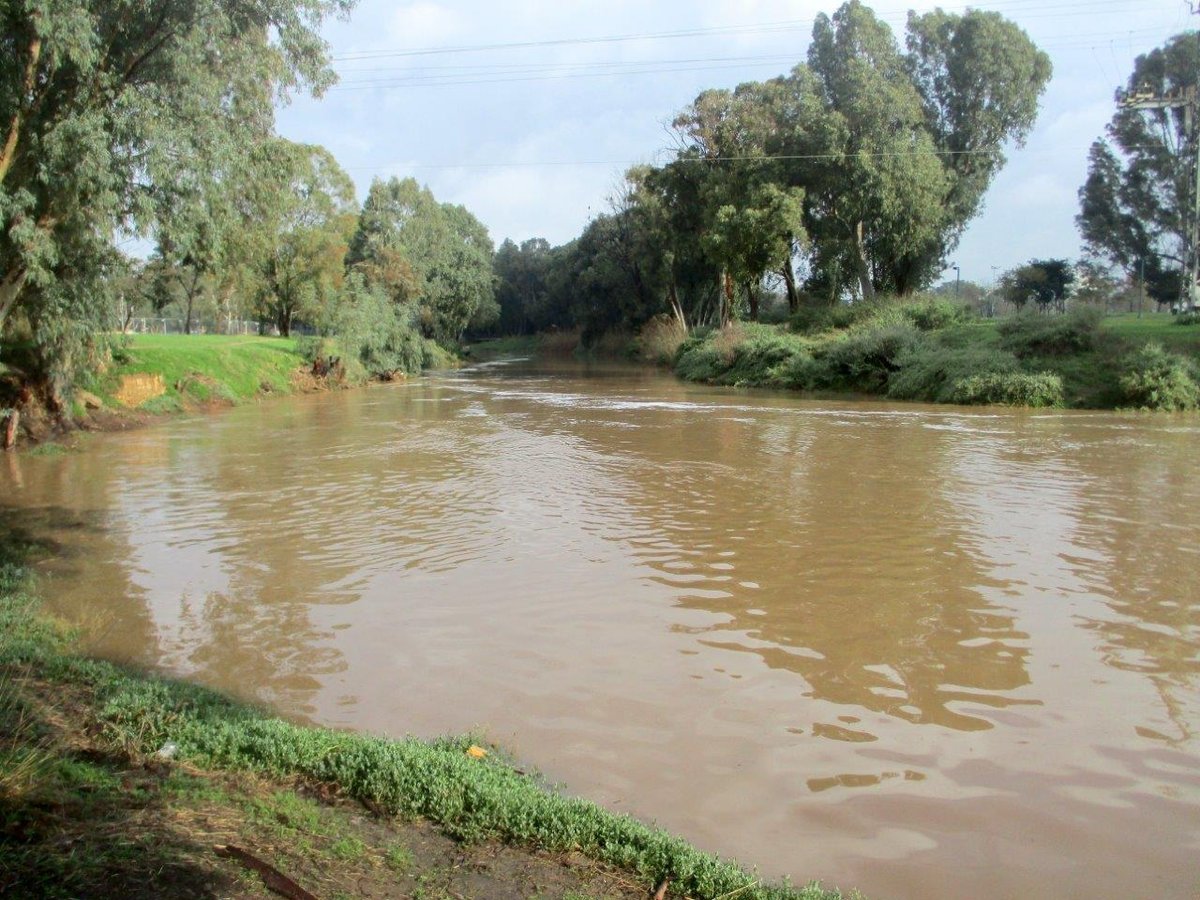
x: 957, y: 278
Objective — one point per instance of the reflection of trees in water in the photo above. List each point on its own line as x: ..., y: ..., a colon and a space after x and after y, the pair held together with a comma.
x: 308, y: 505
x: 67, y: 525
x: 835, y: 551
x: 1139, y: 522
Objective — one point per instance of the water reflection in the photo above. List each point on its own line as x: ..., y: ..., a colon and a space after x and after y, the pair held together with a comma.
x: 854, y: 641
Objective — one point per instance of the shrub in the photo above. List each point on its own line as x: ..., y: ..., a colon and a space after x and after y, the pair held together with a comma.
x: 1190, y: 318
x: 660, y: 339
x: 376, y: 333
x: 866, y: 359
x: 1153, y: 378
x: 934, y: 313
x: 1031, y: 334
x: 1009, y: 389
x: 930, y: 372
x: 743, y: 355
x: 699, y: 360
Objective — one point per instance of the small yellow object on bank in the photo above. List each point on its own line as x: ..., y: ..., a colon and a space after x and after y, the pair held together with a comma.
x: 476, y: 752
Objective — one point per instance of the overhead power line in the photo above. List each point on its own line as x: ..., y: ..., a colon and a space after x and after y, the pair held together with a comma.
x: 518, y: 164
x: 1036, y: 10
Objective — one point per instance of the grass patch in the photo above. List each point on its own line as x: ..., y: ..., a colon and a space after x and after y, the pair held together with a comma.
x: 472, y: 800
x: 200, y: 368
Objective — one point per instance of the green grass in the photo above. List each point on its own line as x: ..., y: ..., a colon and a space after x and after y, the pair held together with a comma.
x: 471, y: 799
x: 1162, y: 328
x: 399, y: 858
x: 202, y: 368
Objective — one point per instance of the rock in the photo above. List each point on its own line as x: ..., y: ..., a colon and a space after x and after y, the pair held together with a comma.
x: 167, y: 750
x: 89, y: 400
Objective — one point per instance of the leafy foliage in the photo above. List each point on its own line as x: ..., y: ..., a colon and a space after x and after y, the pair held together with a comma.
x: 1044, y: 281
x: 102, y: 102
x: 935, y: 373
x: 1009, y: 389
x: 1134, y: 205
x: 1154, y: 378
x: 436, y: 256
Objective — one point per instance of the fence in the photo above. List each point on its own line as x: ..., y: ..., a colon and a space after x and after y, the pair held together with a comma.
x: 146, y: 325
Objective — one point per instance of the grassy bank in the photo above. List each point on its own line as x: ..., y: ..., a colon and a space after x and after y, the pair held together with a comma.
x: 934, y: 352
x: 196, y: 369
x: 151, y: 375
x: 87, y: 802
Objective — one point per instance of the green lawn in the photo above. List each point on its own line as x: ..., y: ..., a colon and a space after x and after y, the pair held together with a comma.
x: 202, y: 368
x: 1160, y: 327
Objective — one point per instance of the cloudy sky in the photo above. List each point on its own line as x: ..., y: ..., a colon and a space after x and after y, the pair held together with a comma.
x: 528, y: 111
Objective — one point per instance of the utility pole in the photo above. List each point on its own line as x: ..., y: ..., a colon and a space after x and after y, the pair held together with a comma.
x: 1187, y: 100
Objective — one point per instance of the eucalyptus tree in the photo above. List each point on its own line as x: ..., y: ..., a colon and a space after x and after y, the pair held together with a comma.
x: 1141, y: 181
x: 980, y: 78
x: 438, y: 257
x: 889, y: 149
x: 300, y: 212
x: 753, y: 220
x: 521, y: 290
x: 100, y: 100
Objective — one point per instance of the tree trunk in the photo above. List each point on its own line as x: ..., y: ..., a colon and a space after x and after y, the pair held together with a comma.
x: 789, y: 280
x: 676, y: 308
x: 864, y: 265
x: 726, y: 299
x: 9, y: 153
x: 752, y: 300
x: 10, y: 289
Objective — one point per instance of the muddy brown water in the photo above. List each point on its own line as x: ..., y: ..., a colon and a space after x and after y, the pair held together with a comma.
x: 924, y: 652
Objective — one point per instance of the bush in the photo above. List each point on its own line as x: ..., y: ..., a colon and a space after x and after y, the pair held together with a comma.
x: 699, y: 360
x: 744, y: 355
x: 866, y: 359
x: 1032, y: 334
x: 927, y: 314
x: 1191, y: 318
x: 376, y: 333
x: 935, y: 313
x: 660, y: 339
x: 1153, y: 378
x: 1009, y: 389
x: 930, y: 371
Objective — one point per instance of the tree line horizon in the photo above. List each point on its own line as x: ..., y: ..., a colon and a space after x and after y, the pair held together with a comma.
x: 851, y: 177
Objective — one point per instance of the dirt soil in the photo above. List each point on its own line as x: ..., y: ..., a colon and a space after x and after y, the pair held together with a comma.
x: 80, y: 817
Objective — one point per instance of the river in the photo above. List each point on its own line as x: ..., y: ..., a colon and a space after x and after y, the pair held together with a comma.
x: 922, y: 651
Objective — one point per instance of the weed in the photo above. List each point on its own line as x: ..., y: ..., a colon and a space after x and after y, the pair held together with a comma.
x: 1031, y: 334
x: 1009, y: 389
x: 347, y: 848
x: 399, y: 858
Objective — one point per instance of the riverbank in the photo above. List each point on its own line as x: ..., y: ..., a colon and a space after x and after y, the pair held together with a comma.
x: 932, y: 352
x: 935, y: 352
x: 125, y: 783
x: 153, y: 375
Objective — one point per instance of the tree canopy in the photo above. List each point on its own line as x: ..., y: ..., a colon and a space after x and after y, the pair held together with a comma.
x: 436, y: 256
x: 105, y: 102
x: 1134, y: 206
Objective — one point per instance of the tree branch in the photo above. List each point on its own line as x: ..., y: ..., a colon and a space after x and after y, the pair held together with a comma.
x: 9, y: 153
